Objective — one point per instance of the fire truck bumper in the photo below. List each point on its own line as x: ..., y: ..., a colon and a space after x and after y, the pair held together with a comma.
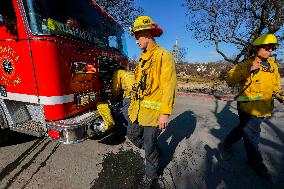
x: 73, y: 130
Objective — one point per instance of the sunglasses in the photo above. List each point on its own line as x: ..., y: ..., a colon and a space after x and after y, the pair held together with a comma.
x: 267, y: 48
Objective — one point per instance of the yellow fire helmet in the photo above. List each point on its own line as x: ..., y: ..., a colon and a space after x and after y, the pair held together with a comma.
x: 146, y: 23
x: 266, y: 39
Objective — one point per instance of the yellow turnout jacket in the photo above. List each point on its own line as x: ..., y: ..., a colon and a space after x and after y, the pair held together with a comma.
x: 154, y: 91
x: 256, y: 89
x: 122, y: 83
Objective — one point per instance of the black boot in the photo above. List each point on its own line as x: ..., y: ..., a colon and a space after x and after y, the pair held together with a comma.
x: 261, y: 170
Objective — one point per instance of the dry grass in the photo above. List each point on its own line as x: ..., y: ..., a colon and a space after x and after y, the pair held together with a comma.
x: 204, y: 85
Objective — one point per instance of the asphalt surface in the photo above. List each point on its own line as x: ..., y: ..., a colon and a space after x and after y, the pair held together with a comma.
x: 190, y: 155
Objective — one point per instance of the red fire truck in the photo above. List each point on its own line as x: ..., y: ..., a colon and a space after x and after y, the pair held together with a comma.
x: 57, y: 58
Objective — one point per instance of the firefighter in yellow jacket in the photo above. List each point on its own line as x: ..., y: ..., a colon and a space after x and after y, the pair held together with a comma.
x: 153, y: 96
x: 259, y: 82
x: 123, y: 81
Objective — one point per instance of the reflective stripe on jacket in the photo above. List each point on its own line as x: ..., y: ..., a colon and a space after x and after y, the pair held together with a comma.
x: 155, y: 84
x: 150, y: 104
x: 122, y: 83
x: 249, y: 98
x: 257, y: 89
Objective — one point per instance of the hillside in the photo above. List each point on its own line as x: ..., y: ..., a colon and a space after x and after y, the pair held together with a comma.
x: 207, y: 78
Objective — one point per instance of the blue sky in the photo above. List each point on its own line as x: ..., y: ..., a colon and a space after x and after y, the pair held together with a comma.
x: 170, y: 15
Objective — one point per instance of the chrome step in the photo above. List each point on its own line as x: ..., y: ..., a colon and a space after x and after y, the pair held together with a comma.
x: 30, y: 127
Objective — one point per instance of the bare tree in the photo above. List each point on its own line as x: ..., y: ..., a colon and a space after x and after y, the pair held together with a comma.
x: 179, y: 53
x: 235, y: 22
x: 182, y: 54
x: 124, y: 11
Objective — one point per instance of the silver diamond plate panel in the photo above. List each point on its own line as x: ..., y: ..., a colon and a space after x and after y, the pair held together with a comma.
x: 30, y: 127
x: 3, y: 119
x: 24, y: 117
x: 36, y: 112
x: 18, y: 111
x: 6, y: 111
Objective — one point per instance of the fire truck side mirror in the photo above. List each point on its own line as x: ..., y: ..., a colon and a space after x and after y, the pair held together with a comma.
x: 1, y: 20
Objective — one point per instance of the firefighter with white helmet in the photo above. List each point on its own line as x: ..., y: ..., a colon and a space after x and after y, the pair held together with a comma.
x: 153, y: 94
x: 259, y: 82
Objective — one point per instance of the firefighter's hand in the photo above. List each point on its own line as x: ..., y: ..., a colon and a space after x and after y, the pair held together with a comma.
x: 254, y: 66
x: 163, y: 121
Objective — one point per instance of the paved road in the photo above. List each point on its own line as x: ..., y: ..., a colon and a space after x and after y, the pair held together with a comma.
x: 191, y: 158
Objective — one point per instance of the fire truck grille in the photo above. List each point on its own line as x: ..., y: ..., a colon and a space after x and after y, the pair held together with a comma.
x: 30, y: 127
